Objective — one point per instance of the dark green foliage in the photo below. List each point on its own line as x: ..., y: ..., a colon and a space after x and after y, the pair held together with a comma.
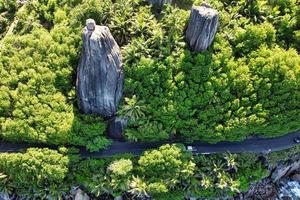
x: 8, y: 5
x: 7, y: 12
x: 274, y: 158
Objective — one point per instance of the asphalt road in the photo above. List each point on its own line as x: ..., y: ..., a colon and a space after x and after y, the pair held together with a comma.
x: 257, y: 145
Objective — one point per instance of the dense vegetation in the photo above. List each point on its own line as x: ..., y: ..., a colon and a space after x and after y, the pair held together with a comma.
x: 246, y: 83
x: 159, y: 173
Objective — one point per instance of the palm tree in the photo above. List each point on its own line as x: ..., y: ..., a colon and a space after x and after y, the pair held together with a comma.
x: 218, y: 166
x: 139, y: 187
x: 206, y: 182
x: 233, y: 185
x: 5, y: 185
x: 223, y: 180
x: 133, y: 109
x: 231, y: 161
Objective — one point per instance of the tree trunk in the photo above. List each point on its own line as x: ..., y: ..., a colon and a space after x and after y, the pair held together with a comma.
x: 202, y: 27
x: 100, y: 74
x: 159, y: 3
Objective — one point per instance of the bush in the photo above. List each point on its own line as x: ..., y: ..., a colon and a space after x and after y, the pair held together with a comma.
x: 43, y: 172
x: 165, y: 168
x: 253, y: 37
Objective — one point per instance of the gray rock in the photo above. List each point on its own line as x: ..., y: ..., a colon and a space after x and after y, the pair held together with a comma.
x: 262, y: 190
x: 159, y: 3
x: 4, y: 196
x: 116, y: 128
x: 80, y: 195
x: 202, y: 27
x: 118, y: 198
x: 285, y: 169
x: 296, y: 177
x: 100, y: 74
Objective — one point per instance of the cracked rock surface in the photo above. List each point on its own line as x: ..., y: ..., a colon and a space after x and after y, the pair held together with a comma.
x: 202, y: 27
x: 100, y: 74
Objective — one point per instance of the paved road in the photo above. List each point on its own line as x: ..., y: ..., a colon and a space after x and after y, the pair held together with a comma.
x: 257, y: 145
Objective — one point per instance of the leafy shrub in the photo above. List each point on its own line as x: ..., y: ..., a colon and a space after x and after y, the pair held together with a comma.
x: 166, y: 167
x: 253, y: 37
x: 42, y: 172
x: 169, y: 169
x: 8, y: 5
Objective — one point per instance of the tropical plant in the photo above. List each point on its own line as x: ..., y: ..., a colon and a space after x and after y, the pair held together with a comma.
x: 138, y: 187
x: 120, y: 174
x: 6, y: 186
x: 133, y: 109
x: 231, y: 161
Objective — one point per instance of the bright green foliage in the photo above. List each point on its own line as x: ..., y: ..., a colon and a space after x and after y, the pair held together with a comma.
x: 36, y: 173
x: 215, y: 95
x: 166, y: 167
x: 120, y: 167
x: 120, y: 172
x: 253, y: 37
x: 246, y: 83
x: 170, y: 169
x: 158, y: 173
x: 37, y: 87
x: 132, y: 109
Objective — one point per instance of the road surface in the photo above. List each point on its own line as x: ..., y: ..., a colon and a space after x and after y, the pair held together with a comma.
x: 256, y: 145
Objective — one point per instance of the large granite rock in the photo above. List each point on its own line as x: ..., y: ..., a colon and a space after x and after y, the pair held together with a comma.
x: 202, y: 27
x: 159, y: 3
x: 100, y: 74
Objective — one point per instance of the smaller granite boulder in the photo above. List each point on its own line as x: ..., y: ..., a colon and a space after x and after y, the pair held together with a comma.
x: 159, y: 3
x: 81, y: 195
x: 116, y: 128
x: 202, y: 27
